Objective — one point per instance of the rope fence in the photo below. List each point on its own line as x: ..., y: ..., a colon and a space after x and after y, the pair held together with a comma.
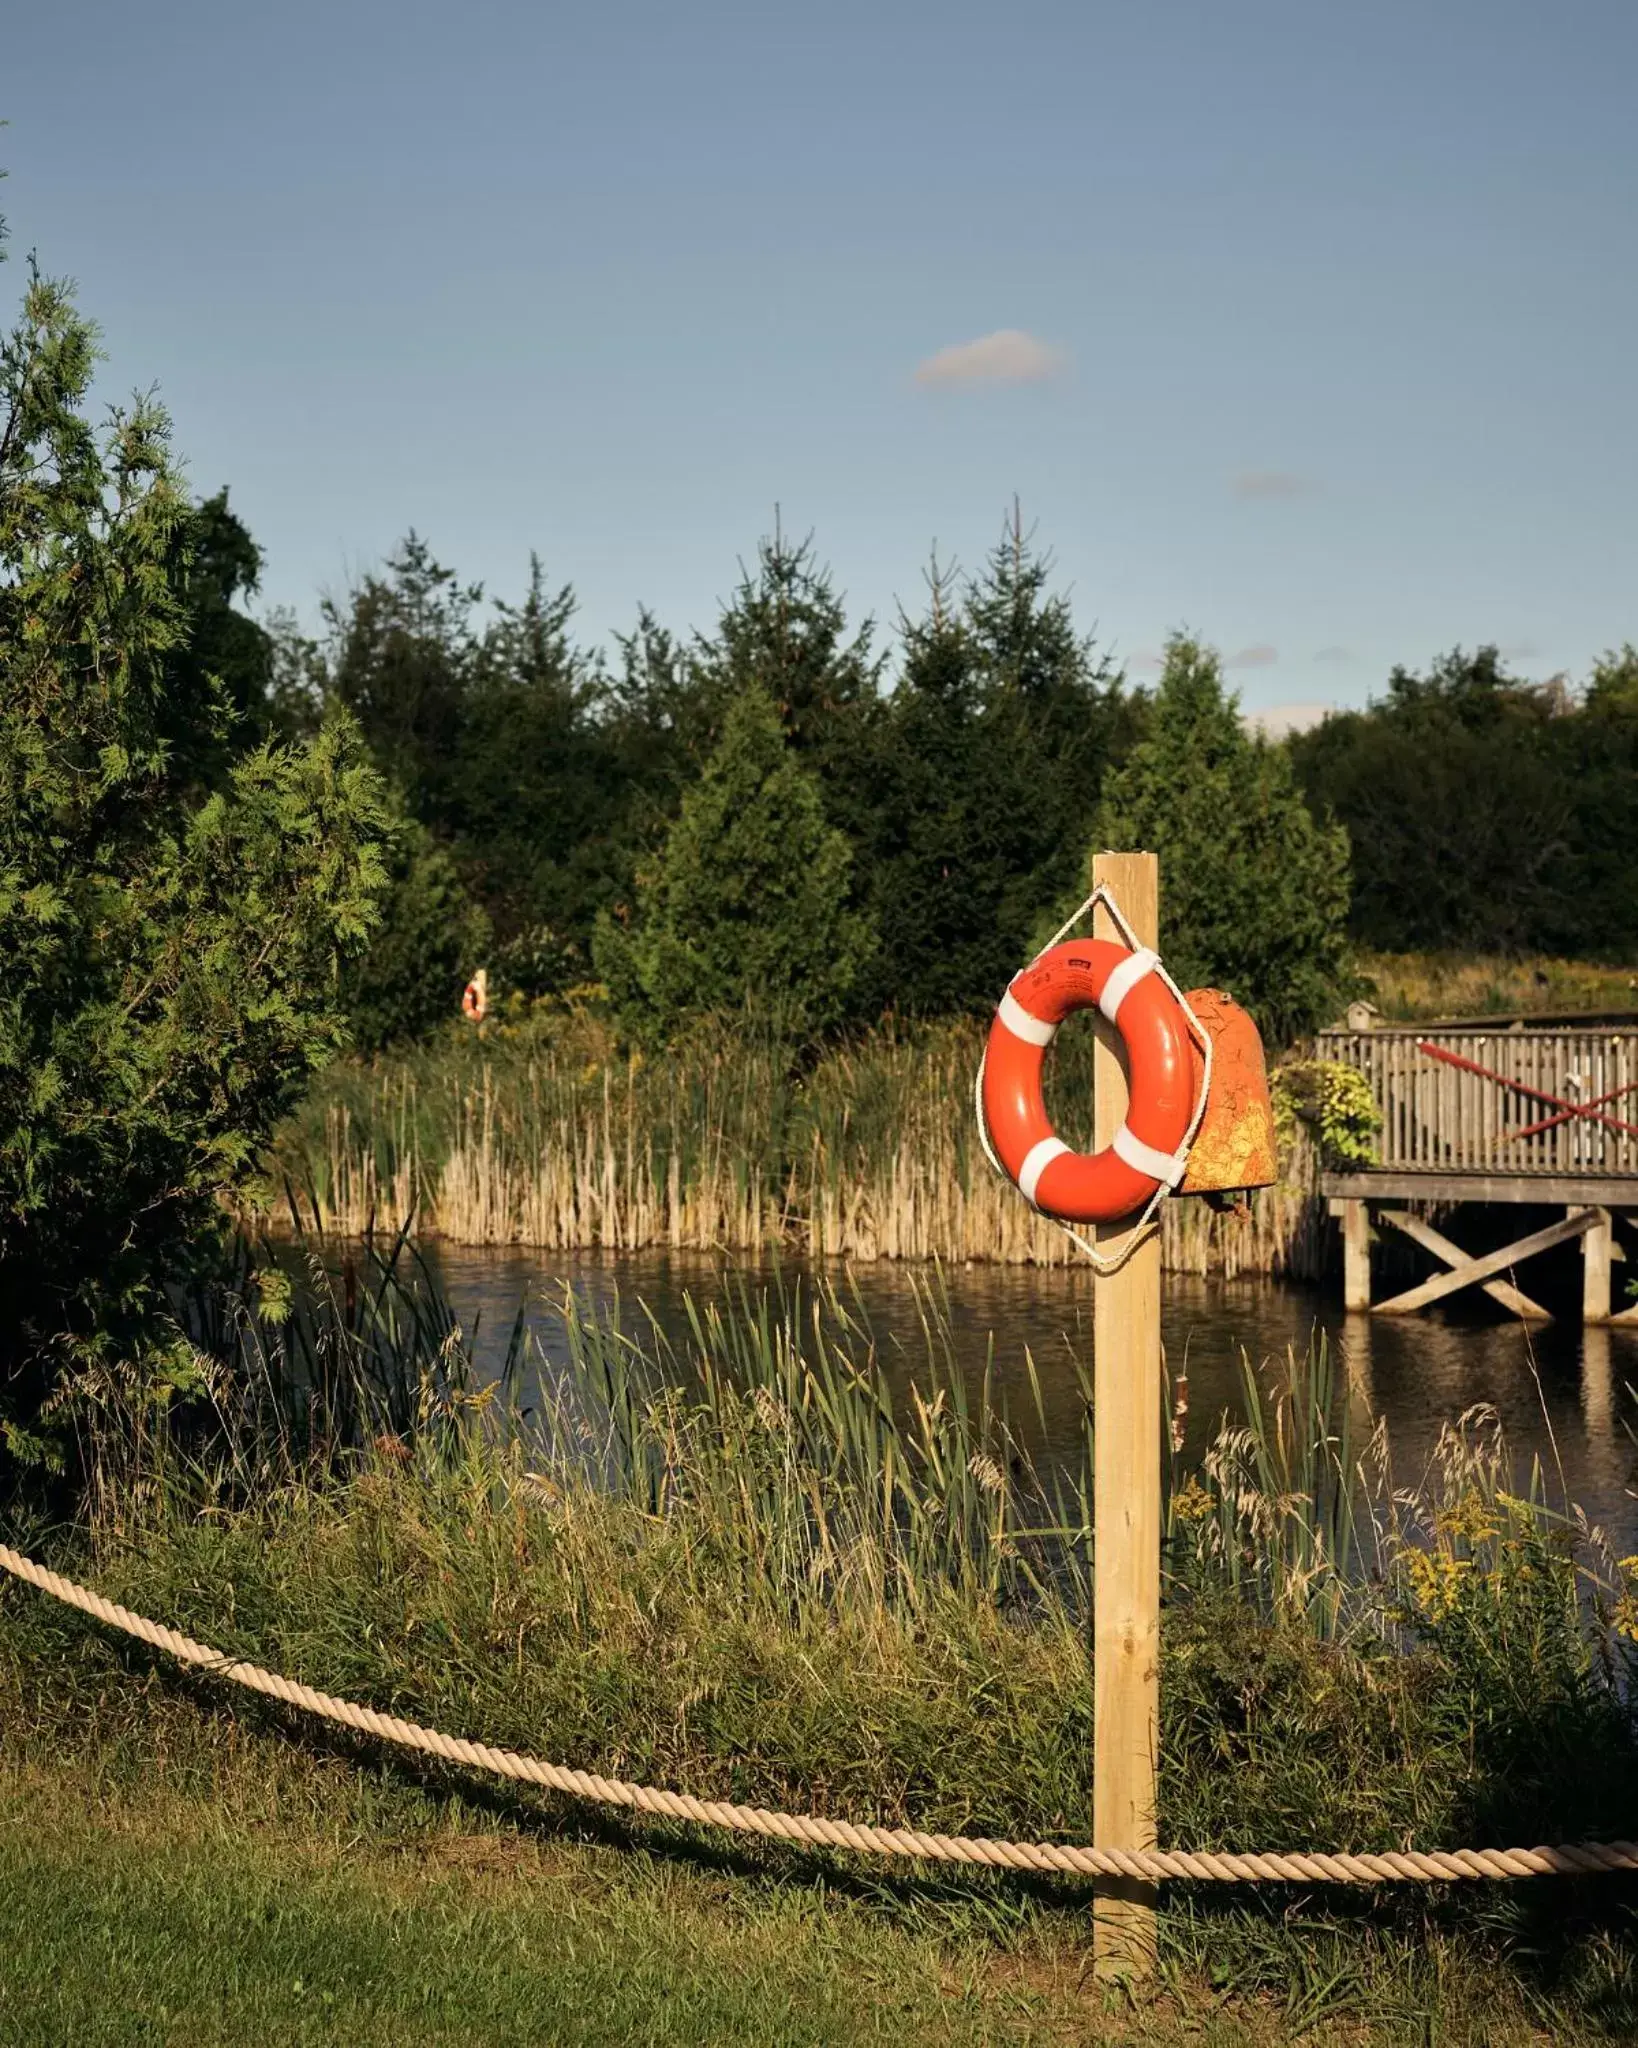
x: 1581, y: 1859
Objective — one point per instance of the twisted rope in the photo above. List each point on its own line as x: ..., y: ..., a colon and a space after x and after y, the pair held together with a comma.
x: 1584, y: 1858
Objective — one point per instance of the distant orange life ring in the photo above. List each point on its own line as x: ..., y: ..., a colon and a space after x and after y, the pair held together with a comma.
x: 473, y: 1001
x: 1148, y: 1151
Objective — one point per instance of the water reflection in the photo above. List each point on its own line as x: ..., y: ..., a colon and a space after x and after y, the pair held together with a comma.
x: 1564, y: 1393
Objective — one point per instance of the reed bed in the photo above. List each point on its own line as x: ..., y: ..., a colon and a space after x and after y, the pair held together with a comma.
x: 553, y: 1137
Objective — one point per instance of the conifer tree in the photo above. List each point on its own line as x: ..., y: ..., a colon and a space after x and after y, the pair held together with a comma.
x: 1056, y: 717
x: 746, y: 909
x: 400, y: 658
x: 939, y: 837
x: 786, y: 630
x: 1253, y: 891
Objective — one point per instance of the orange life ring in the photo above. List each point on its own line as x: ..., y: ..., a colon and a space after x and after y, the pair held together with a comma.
x: 1148, y: 1150
x: 472, y: 1002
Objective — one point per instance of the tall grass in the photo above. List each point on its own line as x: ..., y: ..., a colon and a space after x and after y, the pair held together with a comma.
x: 1411, y: 986
x: 547, y: 1134
x: 735, y: 1562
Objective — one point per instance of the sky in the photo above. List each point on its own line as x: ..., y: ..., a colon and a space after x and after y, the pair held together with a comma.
x: 1308, y: 328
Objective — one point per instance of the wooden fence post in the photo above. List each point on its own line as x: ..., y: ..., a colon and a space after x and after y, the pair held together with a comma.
x: 1126, y: 1424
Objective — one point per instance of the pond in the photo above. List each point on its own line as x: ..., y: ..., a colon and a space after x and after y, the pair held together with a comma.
x: 1564, y: 1392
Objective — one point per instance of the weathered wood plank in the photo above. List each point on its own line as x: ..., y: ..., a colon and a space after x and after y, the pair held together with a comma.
x: 1472, y: 1271
x: 1356, y: 1255
x: 1551, y: 1190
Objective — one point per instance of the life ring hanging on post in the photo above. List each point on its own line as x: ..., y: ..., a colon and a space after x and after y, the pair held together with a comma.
x: 475, y: 997
x: 1150, y: 1150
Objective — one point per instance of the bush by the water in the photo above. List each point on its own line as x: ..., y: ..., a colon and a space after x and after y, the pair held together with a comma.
x: 174, y: 889
x: 734, y: 1566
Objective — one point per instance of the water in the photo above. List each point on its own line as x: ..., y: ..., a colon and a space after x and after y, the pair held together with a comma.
x: 1565, y: 1393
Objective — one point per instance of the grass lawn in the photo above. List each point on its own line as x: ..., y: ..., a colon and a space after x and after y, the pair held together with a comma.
x: 144, y: 1914
x: 177, y: 1877
x: 182, y: 1863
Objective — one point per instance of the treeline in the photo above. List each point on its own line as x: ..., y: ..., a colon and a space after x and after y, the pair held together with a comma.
x: 540, y: 781
x: 1486, y: 813
x: 791, y: 809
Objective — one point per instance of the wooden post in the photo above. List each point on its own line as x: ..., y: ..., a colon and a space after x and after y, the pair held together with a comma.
x: 1126, y: 1425
x: 1597, y: 1248
x: 1356, y: 1255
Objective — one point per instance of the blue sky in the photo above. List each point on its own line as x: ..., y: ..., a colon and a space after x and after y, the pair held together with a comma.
x: 1328, y: 311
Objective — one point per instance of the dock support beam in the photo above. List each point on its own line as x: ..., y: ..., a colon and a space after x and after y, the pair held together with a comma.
x: 1356, y: 1256
x: 1597, y: 1250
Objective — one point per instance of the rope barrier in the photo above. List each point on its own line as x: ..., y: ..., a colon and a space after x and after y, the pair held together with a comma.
x: 1578, y: 1860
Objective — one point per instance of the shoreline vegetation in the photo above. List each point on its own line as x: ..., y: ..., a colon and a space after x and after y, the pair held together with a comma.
x: 729, y: 1565
x: 545, y: 1132
x: 541, y: 1128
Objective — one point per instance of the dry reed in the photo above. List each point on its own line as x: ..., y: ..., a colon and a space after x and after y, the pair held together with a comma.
x: 554, y: 1138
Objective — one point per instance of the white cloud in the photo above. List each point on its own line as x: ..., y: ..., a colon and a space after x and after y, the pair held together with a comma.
x: 1280, y: 719
x: 1334, y: 656
x: 1009, y: 356
x: 1271, y: 483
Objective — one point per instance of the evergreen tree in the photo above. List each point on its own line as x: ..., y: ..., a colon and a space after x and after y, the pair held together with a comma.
x: 218, y: 563
x: 430, y: 937
x: 400, y: 658
x: 747, y: 906
x: 171, y: 910
x: 655, y: 714
x: 536, y: 810
x: 1253, y: 891
x: 939, y: 837
x: 786, y: 631
x: 1055, y: 719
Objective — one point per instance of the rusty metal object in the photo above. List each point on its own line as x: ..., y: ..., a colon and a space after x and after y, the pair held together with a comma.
x: 1234, y: 1146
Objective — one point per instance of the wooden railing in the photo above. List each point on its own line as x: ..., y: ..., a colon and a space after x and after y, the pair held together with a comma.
x: 1443, y: 1117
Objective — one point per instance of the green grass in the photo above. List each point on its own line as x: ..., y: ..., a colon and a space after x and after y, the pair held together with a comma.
x: 175, y: 1870
x: 155, y: 1918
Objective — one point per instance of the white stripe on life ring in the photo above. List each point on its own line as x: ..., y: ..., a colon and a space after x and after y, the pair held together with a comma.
x: 1036, y: 1161
x: 1124, y: 979
x: 1022, y: 1025
x: 1165, y: 1167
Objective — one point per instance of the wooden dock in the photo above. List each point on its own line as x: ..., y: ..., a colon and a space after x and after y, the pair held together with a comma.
x: 1543, y: 1116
